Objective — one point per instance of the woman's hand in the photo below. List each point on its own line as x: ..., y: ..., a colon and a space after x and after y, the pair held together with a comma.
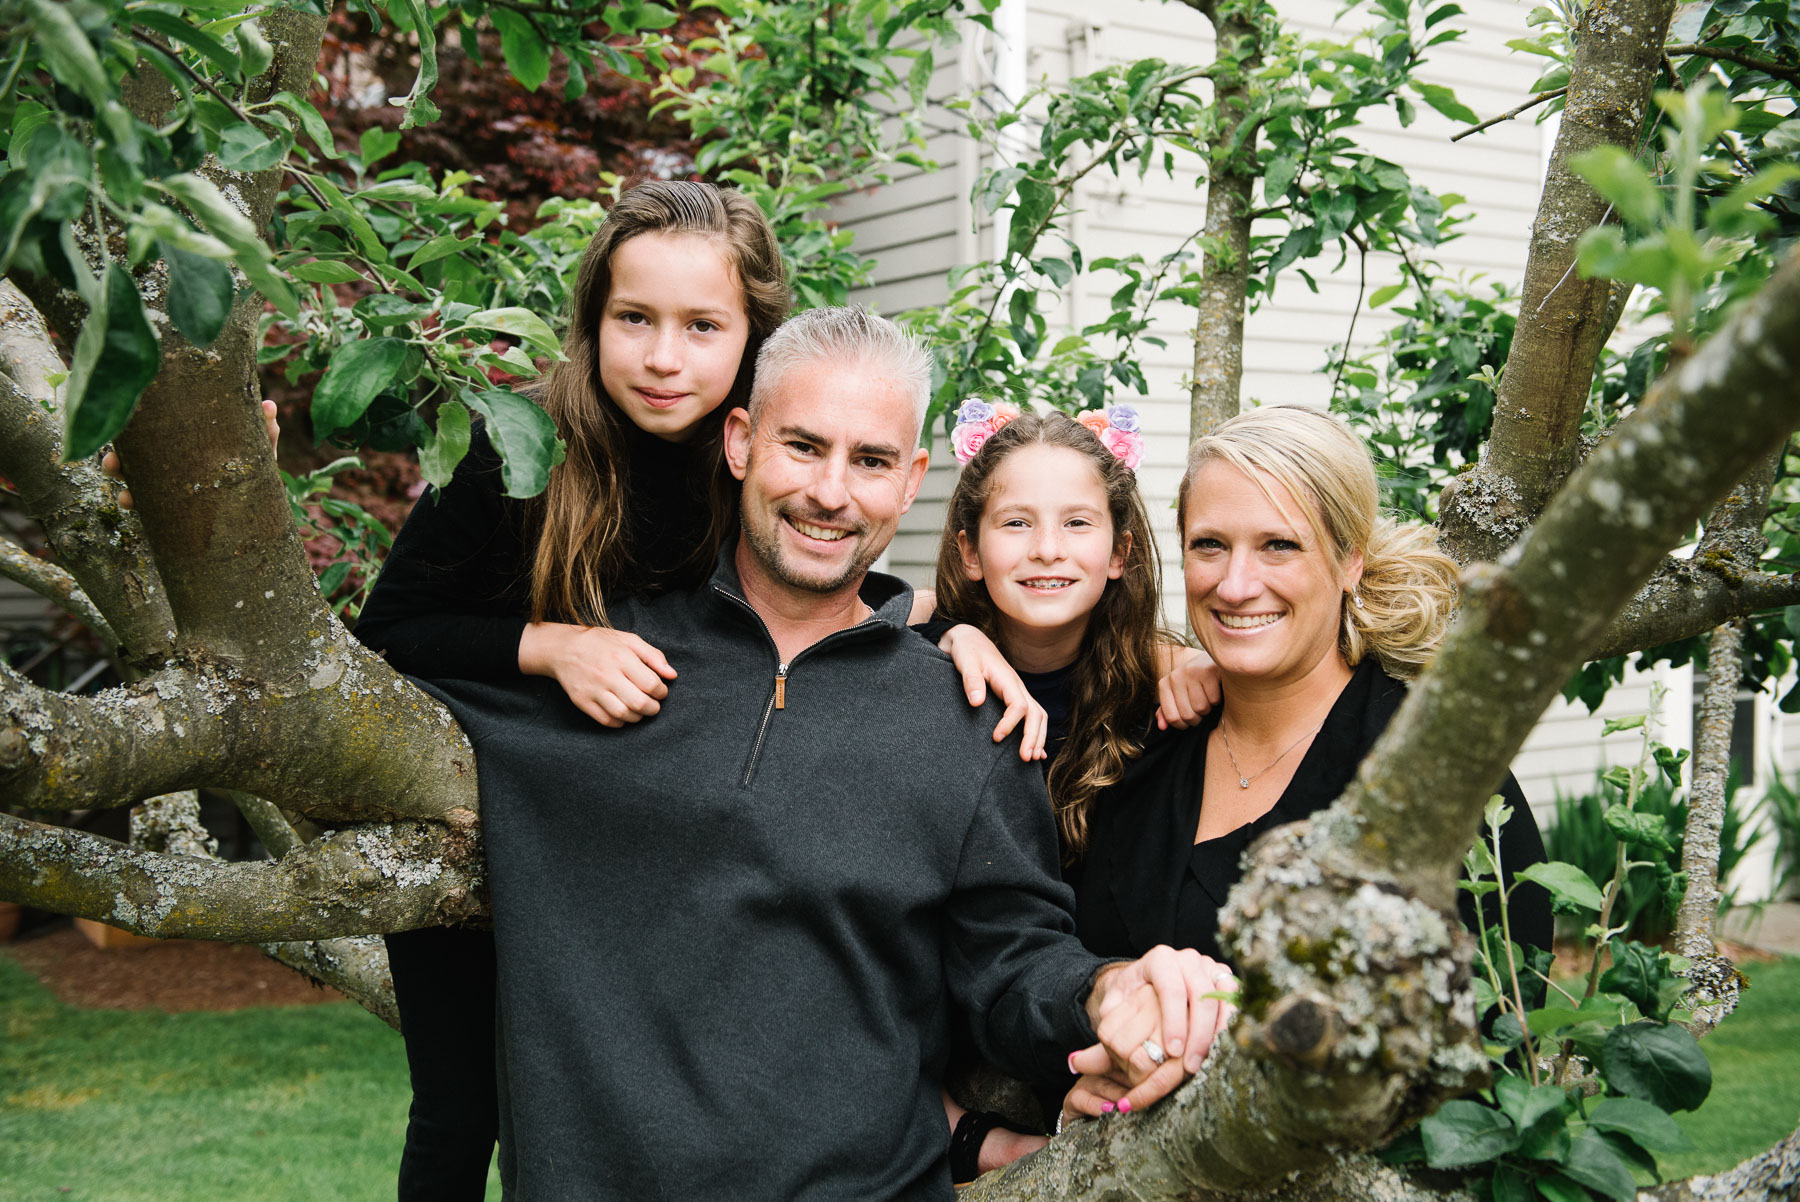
x: 1092, y: 1097
x: 1156, y: 1019
x: 612, y: 676
x: 109, y: 462
x: 1188, y: 689
x: 982, y: 666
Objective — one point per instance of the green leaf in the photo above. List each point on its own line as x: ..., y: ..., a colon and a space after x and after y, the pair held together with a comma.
x: 1617, y: 177
x: 1644, y: 1124
x: 1565, y: 882
x: 356, y: 376
x: 1382, y: 296
x: 67, y: 51
x: 527, y: 57
x: 440, y: 247
x: 919, y: 78
x: 27, y: 117
x: 383, y: 310
x: 377, y: 144
x: 1558, y: 1188
x: 1525, y: 1104
x: 311, y: 122
x: 1510, y: 1185
x: 520, y: 323
x: 439, y: 457
x: 200, y: 294
x: 1058, y: 270
x: 1645, y: 830
x: 523, y: 434
x: 199, y: 40
x: 417, y: 103
x: 242, y: 148
x: 116, y: 357
x: 231, y: 227
x: 1277, y: 178
x: 1444, y: 101
x: 1658, y: 1062
x: 1036, y: 200
x: 254, y: 51
x: 1615, y: 725
x: 1592, y: 1162
x: 1463, y: 1132
x: 325, y: 271
x: 1638, y: 972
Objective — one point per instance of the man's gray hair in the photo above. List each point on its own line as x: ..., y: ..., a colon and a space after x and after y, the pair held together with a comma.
x: 840, y: 335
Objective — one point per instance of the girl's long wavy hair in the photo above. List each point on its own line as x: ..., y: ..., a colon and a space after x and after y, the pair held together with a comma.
x: 1409, y: 588
x: 583, y: 552
x: 1112, y: 689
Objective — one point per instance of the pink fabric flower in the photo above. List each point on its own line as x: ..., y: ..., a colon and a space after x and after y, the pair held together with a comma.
x: 1095, y: 420
x: 968, y: 437
x: 1003, y: 413
x: 1126, y: 444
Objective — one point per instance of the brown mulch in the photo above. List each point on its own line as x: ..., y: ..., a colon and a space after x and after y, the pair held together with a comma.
x: 180, y: 974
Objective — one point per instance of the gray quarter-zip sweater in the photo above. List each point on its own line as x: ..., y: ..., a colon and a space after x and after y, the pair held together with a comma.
x: 730, y: 936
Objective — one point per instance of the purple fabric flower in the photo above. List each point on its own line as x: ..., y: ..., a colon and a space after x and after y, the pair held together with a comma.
x: 974, y: 410
x: 1123, y: 418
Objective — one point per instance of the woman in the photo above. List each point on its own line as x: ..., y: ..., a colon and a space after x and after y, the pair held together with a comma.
x: 1315, y: 609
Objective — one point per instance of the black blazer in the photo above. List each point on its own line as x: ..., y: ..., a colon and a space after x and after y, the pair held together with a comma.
x: 1145, y: 881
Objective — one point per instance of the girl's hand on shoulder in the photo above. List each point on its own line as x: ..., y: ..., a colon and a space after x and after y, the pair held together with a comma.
x: 612, y: 676
x: 983, y: 667
x: 1189, y: 688
x: 109, y: 462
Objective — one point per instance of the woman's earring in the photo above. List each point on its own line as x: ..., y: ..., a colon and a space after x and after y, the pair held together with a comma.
x: 1356, y: 596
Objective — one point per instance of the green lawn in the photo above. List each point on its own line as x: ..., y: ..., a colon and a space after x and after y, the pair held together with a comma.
x: 1755, y: 1055
x: 298, y: 1102
x: 309, y: 1102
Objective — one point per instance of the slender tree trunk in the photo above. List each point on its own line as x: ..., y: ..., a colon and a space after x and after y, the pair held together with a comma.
x: 1214, y: 393
x: 1564, y: 319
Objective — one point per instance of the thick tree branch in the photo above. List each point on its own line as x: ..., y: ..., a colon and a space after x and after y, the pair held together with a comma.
x: 171, y: 823
x: 356, y: 966
x: 1563, y: 318
x: 1689, y: 597
x: 354, y: 742
x: 1774, y: 1174
x: 99, y: 545
x: 1755, y: 62
x: 54, y: 585
x: 1528, y: 621
x: 358, y: 881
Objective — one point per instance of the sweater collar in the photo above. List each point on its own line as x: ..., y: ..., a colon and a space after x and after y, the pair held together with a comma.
x: 889, y: 598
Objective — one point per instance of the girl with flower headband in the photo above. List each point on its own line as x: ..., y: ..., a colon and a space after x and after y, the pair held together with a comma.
x: 1047, y: 549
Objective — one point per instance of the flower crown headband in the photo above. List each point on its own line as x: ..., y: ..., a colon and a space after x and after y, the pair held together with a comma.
x: 1116, y: 426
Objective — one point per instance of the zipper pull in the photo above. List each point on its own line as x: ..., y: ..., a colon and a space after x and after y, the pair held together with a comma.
x: 780, y: 686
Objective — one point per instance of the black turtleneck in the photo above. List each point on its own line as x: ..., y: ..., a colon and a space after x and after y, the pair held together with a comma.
x: 454, y: 596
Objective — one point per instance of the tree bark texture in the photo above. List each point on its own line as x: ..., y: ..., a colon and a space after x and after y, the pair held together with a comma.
x: 356, y: 966
x: 1214, y: 392
x: 359, y: 881
x: 1563, y: 319
x: 53, y: 585
x: 95, y: 541
x: 1773, y: 1175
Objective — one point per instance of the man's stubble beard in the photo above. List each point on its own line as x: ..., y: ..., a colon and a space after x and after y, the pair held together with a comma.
x: 765, y: 545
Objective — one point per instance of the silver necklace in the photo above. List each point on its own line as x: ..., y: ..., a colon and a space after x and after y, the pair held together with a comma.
x: 1244, y: 781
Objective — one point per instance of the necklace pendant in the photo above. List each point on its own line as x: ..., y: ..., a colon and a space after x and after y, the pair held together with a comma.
x: 1243, y: 782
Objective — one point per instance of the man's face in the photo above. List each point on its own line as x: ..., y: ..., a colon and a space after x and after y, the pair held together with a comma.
x: 827, y: 472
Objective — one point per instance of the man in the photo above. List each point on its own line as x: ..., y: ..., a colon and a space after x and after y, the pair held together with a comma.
x: 731, y: 937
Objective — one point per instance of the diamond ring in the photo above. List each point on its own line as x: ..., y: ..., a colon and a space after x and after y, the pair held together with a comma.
x: 1154, y: 1050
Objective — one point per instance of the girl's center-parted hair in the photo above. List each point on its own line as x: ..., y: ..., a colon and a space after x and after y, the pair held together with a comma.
x: 1112, y: 687
x: 1409, y: 588
x: 583, y: 552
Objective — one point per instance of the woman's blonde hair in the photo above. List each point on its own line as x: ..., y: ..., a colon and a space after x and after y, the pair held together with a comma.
x: 1402, y: 606
x: 583, y: 552
x: 1112, y: 689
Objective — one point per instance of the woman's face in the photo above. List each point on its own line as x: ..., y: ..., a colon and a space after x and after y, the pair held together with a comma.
x: 1264, y: 592
x: 672, y: 332
x: 1044, y: 547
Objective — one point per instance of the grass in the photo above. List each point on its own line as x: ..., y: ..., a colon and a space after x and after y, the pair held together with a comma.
x: 1755, y: 1056
x: 298, y: 1102
x: 309, y: 1102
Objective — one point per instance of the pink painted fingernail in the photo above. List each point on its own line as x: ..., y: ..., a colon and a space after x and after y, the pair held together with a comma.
x: 1106, y: 1108
x: 1124, y: 1105
x: 1072, y: 1062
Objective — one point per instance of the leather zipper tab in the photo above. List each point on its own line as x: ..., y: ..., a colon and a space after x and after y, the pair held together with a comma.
x: 781, y: 671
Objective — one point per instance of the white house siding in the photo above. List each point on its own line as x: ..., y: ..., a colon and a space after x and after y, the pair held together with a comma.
x: 921, y: 225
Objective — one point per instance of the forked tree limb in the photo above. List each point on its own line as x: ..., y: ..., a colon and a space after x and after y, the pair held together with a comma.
x: 53, y: 585
x: 1688, y: 597
x: 357, y: 881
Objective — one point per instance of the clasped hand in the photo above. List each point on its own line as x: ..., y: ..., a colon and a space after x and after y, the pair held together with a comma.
x: 1172, y: 1002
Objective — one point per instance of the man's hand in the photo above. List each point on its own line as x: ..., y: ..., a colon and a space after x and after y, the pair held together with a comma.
x: 1189, y: 687
x: 1156, y: 1019
x: 612, y: 676
x: 982, y: 666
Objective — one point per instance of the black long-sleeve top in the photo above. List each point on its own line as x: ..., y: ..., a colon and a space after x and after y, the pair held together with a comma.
x: 1145, y: 881
x: 454, y: 596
